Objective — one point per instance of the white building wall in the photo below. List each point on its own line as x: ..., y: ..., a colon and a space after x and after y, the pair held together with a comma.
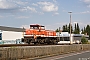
x: 10, y: 35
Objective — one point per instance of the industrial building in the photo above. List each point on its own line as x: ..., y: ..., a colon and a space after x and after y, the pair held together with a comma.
x: 75, y: 38
x: 10, y: 34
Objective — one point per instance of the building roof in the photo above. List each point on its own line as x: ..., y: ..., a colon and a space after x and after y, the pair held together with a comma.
x: 66, y: 34
x: 4, y: 28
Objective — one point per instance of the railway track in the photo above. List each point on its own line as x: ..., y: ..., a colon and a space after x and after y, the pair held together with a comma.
x: 12, y: 45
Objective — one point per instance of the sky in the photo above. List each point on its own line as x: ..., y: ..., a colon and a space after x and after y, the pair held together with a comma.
x: 50, y: 13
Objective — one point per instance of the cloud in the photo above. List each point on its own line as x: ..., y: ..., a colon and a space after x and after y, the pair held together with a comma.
x: 25, y: 26
x: 1, y: 16
x: 88, y: 6
x: 4, y: 4
x: 87, y: 2
x: 56, y: 13
x: 31, y: 9
x: 55, y: 1
x: 55, y: 25
x: 75, y: 22
x: 60, y: 24
x: 64, y: 10
x: 48, y: 6
x: 15, y: 6
x: 85, y: 12
x: 34, y: 4
x: 21, y: 3
x: 11, y: 6
x: 7, y: 6
x: 41, y: 13
x: 81, y: 23
x: 21, y: 17
x: 28, y: 8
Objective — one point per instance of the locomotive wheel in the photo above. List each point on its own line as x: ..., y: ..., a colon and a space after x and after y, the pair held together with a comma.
x: 55, y: 42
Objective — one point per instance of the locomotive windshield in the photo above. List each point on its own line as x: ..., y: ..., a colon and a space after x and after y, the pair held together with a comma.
x: 37, y: 27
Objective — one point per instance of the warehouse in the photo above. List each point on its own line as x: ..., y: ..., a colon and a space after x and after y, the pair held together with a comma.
x: 75, y: 38
x: 10, y: 34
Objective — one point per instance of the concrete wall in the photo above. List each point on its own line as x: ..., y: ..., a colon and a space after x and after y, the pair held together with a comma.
x: 11, y: 53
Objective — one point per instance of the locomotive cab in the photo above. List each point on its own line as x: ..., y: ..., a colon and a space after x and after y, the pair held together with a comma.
x: 40, y: 27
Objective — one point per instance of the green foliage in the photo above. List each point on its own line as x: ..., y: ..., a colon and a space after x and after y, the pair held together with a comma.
x: 82, y: 31
x: 69, y: 28
x: 88, y: 30
x: 76, y: 29
x: 75, y: 32
x: 66, y: 28
x: 84, y: 40
x: 57, y: 30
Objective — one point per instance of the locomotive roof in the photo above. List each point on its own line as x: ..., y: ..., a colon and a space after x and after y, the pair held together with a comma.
x: 36, y: 25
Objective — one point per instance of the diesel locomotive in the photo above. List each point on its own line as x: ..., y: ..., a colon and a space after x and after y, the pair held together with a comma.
x: 37, y: 34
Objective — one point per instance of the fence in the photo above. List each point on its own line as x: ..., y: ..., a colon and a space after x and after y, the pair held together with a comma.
x: 15, y: 53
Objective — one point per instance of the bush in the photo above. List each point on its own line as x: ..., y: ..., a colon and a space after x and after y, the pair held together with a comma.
x: 84, y: 40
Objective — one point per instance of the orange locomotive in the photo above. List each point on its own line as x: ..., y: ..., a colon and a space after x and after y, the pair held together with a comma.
x: 38, y: 35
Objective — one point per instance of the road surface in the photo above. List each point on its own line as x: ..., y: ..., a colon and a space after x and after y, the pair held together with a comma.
x: 85, y: 55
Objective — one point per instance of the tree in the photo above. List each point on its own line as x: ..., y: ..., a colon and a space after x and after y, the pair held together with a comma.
x: 84, y: 40
x: 82, y: 31
x: 75, y: 29
x: 57, y: 30
x: 88, y: 30
x: 65, y: 29
x: 69, y: 28
x: 78, y: 29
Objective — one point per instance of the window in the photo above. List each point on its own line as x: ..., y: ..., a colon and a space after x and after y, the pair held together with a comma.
x: 64, y: 39
x: 0, y: 36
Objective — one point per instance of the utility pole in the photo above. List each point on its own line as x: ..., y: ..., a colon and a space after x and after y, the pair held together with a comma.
x: 70, y: 27
x: 23, y: 32
x: 59, y: 33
